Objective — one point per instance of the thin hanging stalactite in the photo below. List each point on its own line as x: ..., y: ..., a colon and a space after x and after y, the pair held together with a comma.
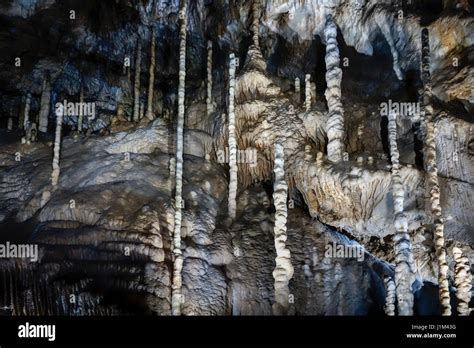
x: 209, y: 79
x: 463, y: 281
x: 44, y: 106
x: 80, y: 118
x: 232, y: 204
x: 151, y: 83
x: 390, y: 296
x: 297, y: 91
x: 176, y: 296
x: 404, y: 264
x: 283, y: 271
x: 335, y: 123
x: 26, y: 119
x: 136, y: 89
x: 307, y: 92
x: 255, y: 23
x: 57, y: 145
x: 432, y: 177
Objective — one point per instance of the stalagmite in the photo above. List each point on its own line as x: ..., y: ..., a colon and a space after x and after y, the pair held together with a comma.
x: 307, y: 92
x: 209, y: 78
x: 57, y: 144
x: 136, y: 94
x: 390, y: 297
x: 232, y: 141
x: 151, y: 83
x: 283, y: 271
x: 81, y: 116
x: 255, y: 22
x: 176, y: 297
x: 298, y: 90
x: 10, y: 123
x: 463, y: 281
x: 432, y: 177
x: 44, y: 107
x: 404, y: 265
x: 335, y: 124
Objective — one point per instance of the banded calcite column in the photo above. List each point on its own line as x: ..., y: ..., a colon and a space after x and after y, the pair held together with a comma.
x: 432, y: 182
x: 283, y: 271
x: 404, y: 265
x: 232, y: 141
x: 335, y: 125
x: 176, y: 296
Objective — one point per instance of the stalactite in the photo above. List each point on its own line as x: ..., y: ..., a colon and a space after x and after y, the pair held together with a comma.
x: 385, y: 29
x: 141, y: 114
x: 255, y: 22
x: 149, y: 110
x: 44, y: 106
x: 232, y: 141
x: 26, y: 118
x: 390, y: 297
x: 463, y: 281
x: 21, y: 114
x: 307, y: 92
x: 136, y: 94
x: 335, y: 124
x: 432, y: 177
x: 176, y: 296
x: 404, y: 265
x: 297, y: 91
x: 209, y: 78
x: 81, y: 116
x: 57, y: 145
x: 283, y: 271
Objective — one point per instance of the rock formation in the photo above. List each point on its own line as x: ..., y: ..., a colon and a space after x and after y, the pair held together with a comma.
x: 136, y: 85
x: 44, y: 106
x: 176, y: 297
x: 433, y: 187
x: 404, y: 268
x: 57, y: 144
x: 151, y: 82
x: 231, y: 193
x: 335, y: 126
x: 463, y: 281
x: 232, y: 141
x: 283, y: 271
x: 209, y: 105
